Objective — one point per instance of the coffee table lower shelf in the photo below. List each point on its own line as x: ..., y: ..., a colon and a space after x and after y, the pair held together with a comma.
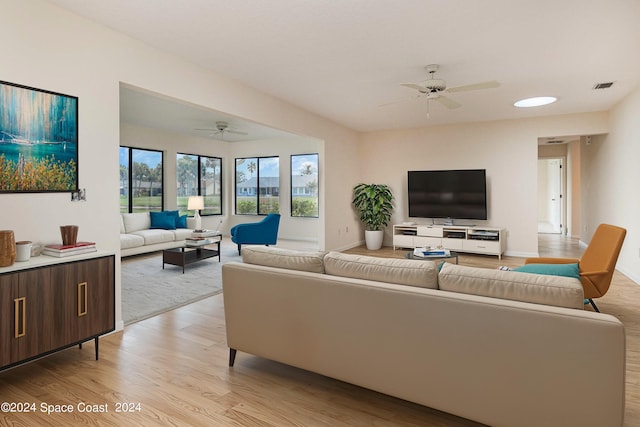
x: 188, y: 255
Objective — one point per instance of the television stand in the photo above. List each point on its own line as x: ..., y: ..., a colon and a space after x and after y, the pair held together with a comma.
x: 459, y: 238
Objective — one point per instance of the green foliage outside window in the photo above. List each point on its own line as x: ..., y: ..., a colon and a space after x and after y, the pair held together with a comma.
x: 304, y: 207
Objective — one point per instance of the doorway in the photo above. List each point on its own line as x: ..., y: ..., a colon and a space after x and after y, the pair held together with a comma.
x: 551, y: 203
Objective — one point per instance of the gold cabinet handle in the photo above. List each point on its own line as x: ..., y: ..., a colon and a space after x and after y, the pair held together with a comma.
x: 82, y: 299
x: 20, y: 317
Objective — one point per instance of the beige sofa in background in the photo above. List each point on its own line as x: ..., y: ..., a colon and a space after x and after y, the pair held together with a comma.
x: 502, y: 362
x: 137, y: 236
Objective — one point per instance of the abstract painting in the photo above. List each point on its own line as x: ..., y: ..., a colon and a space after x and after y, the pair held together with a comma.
x: 38, y: 140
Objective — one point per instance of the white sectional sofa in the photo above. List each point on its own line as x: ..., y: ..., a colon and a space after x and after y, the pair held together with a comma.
x: 137, y: 236
x: 498, y: 347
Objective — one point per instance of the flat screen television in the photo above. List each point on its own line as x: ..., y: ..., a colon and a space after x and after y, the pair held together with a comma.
x: 455, y: 194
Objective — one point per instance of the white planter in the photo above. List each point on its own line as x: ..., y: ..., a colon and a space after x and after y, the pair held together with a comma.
x: 373, y: 239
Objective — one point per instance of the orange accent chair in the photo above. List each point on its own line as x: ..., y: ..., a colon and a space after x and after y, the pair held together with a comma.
x: 597, y: 263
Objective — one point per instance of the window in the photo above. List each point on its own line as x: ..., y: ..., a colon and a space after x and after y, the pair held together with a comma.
x: 141, y: 180
x: 199, y: 176
x: 304, y: 185
x: 257, y: 185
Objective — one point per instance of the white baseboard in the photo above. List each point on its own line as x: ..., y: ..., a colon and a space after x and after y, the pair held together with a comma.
x: 631, y: 276
x: 349, y: 246
x: 521, y: 254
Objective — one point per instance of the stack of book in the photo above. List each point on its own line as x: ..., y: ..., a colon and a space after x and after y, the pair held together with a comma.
x: 196, y: 241
x: 69, y: 250
x: 205, y: 233
x: 429, y: 252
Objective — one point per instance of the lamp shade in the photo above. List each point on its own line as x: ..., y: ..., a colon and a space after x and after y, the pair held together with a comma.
x: 195, y: 203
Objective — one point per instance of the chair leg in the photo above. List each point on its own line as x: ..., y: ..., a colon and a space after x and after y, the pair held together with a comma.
x: 239, y: 249
x: 232, y: 356
x: 595, y: 307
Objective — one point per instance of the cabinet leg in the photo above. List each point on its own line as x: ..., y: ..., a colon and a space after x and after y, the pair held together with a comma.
x: 96, y: 341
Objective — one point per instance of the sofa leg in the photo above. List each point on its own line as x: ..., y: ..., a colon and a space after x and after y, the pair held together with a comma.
x: 232, y: 356
x: 239, y: 249
x: 595, y: 307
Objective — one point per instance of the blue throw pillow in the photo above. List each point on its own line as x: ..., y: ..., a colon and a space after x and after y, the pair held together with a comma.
x: 173, y: 214
x: 567, y: 270
x: 181, y: 221
x: 162, y: 220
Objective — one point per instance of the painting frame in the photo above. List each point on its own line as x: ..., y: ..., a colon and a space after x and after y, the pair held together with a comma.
x: 38, y: 140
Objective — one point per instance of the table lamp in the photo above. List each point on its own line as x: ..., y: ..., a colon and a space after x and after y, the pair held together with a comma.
x: 196, y: 203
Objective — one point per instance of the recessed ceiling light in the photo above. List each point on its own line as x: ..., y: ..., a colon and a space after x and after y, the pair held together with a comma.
x: 535, y: 102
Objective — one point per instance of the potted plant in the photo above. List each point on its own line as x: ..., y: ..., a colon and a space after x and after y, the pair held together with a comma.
x: 373, y: 203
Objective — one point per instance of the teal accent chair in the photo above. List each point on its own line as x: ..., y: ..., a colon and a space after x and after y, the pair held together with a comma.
x: 264, y: 232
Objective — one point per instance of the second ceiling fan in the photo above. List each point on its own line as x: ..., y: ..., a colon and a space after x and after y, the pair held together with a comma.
x: 222, y: 127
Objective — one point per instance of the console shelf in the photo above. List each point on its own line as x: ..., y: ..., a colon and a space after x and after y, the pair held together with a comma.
x: 476, y: 239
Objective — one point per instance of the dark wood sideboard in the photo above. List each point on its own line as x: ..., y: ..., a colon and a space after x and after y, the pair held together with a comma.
x: 48, y: 308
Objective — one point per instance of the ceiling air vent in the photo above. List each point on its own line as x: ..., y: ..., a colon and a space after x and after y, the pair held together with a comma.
x: 555, y: 141
x: 603, y: 85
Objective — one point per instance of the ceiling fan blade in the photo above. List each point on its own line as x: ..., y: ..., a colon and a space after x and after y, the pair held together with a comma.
x: 400, y: 100
x: 476, y: 86
x: 237, y: 132
x: 448, y: 102
x: 419, y: 88
x: 204, y: 129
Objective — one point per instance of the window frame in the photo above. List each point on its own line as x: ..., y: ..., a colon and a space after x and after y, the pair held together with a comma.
x: 199, y: 158
x: 291, y: 195
x: 130, y: 152
x: 258, y: 192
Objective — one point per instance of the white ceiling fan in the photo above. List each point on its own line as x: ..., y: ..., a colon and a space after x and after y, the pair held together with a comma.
x: 433, y: 88
x: 222, y: 127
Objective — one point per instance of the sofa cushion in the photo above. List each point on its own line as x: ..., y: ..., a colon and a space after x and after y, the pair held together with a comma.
x: 284, y: 258
x: 128, y: 241
x: 527, y: 287
x: 122, y: 229
x: 136, y: 221
x: 162, y: 220
x: 182, y: 233
x: 155, y: 236
x: 419, y: 273
x: 567, y: 270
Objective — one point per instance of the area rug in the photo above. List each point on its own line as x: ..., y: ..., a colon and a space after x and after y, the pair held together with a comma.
x: 148, y: 290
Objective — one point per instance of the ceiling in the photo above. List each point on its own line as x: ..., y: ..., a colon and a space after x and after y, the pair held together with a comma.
x: 161, y: 112
x: 343, y: 59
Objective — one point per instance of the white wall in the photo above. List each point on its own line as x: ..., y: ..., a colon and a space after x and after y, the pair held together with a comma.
x: 610, y: 177
x: 574, y: 182
x: 508, y: 150
x: 49, y: 48
x: 544, y: 205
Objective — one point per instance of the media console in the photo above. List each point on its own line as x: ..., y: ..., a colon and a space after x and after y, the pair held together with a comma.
x: 473, y: 239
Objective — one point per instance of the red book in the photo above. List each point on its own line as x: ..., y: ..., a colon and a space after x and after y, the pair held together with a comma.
x: 68, y: 248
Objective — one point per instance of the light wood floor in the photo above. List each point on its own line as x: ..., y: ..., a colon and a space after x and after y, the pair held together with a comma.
x: 175, y: 367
